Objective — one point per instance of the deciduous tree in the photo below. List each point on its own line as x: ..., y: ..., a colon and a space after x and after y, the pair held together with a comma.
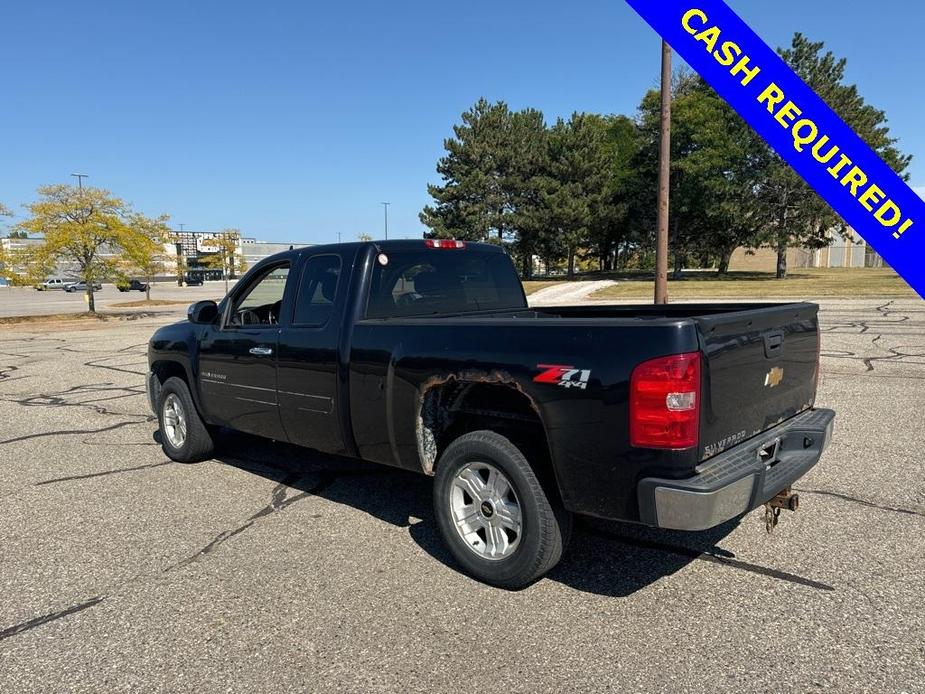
x: 795, y: 215
x: 227, y: 256
x: 146, y: 254
x: 87, y: 227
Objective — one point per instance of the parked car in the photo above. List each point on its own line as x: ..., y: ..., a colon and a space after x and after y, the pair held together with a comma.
x: 424, y: 355
x: 81, y: 286
x: 132, y: 285
x: 53, y: 283
x: 192, y: 280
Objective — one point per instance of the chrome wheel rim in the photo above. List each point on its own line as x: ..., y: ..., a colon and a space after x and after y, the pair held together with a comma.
x: 174, y: 421
x: 486, y: 511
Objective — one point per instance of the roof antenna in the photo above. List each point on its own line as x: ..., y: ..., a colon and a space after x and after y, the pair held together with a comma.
x: 290, y: 247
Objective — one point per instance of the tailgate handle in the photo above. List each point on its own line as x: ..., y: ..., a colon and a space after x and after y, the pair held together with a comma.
x: 773, y: 343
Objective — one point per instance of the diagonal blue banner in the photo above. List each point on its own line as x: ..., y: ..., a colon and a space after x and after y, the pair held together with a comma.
x: 809, y: 135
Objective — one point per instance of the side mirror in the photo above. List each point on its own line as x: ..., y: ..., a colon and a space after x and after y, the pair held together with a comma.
x: 202, y: 312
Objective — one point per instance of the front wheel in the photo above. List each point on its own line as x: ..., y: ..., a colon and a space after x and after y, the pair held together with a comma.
x: 493, y: 513
x: 184, y: 436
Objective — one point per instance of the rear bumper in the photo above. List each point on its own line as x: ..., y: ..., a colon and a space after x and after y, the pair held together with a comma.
x: 737, y: 480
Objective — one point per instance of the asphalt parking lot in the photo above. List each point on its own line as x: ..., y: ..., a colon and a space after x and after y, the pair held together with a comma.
x: 19, y: 301
x: 274, y: 568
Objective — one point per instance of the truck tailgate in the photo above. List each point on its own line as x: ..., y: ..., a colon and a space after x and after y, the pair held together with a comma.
x: 759, y: 369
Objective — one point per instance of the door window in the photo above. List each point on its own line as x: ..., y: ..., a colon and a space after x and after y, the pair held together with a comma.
x: 317, y: 291
x: 261, y: 301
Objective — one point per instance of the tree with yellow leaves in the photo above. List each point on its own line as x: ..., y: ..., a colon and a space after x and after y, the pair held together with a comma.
x: 227, y: 257
x: 87, y: 227
x: 4, y: 212
x: 146, y: 254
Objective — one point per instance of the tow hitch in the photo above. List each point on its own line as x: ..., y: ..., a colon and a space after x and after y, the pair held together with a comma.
x: 772, y: 508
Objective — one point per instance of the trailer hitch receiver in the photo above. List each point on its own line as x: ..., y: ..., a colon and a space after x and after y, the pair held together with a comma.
x: 784, y: 499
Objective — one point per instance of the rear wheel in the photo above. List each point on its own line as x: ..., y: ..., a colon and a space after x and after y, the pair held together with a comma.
x: 184, y: 436
x: 493, y: 513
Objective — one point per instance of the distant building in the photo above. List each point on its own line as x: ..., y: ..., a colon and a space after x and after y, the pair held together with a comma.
x: 843, y: 251
x: 192, y: 246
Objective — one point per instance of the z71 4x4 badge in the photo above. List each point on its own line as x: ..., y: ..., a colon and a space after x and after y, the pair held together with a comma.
x: 562, y: 375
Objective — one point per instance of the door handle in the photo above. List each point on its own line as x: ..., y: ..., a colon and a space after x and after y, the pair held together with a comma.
x: 261, y: 351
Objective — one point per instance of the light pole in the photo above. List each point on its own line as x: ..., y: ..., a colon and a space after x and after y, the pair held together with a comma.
x: 80, y: 180
x: 664, y: 177
x: 385, y: 206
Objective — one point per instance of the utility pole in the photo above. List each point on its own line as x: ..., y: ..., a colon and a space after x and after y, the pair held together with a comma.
x: 385, y: 205
x: 664, y: 175
x: 80, y: 180
x: 338, y: 237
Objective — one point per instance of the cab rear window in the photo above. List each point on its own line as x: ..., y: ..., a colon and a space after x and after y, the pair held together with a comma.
x: 439, y: 281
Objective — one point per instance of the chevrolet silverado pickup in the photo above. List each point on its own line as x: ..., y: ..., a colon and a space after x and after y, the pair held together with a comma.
x: 424, y: 355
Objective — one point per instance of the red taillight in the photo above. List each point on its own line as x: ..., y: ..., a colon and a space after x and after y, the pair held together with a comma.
x: 665, y: 402
x: 444, y: 243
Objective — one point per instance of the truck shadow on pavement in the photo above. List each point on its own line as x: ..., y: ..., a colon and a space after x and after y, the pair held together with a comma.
x: 605, y: 558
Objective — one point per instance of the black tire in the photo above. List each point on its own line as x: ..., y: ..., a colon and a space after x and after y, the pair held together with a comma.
x: 197, y: 443
x: 546, y: 526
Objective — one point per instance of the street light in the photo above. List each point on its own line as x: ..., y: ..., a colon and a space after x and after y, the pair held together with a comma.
x: 385, y: 206
x: 80, y: 180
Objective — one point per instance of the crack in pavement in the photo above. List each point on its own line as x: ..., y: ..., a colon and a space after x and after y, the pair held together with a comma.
x: 278, y: 501
x: 101, y: 474
x: 67, y: 432
x: 84, y: 477
x: 50, y: 617
x: 714, y: 556
x: 59, y: 399
x: 862, y: 502
x: 93, y: 364
x: 895, y: 354
x: 8, y: 369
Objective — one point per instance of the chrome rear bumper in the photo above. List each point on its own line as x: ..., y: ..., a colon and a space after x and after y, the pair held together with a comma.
x: 739, y: 479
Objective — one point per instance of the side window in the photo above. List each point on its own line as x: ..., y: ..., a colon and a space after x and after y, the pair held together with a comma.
x: 317, y: 291
x: 260, y: 303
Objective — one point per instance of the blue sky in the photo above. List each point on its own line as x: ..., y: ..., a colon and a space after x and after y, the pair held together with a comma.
x: 294, y: 120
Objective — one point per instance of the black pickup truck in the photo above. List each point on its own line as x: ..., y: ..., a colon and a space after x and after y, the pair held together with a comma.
x: 424, y: 355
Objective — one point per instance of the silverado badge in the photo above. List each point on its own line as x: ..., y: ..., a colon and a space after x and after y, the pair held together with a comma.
x: 774, y: 376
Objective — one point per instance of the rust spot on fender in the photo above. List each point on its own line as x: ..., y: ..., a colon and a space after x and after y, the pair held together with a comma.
x: 436, y: 399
